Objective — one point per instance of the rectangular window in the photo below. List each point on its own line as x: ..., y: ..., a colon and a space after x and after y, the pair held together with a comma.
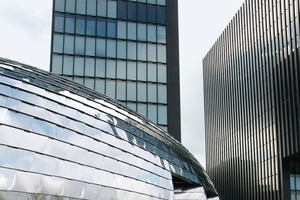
x: 59, y: 23
x: 131, y: 31
x: 111, y: 48
x: 162, y: 93
x: 131, y: 91
x: 121, y: 50
x: 70, y: 6
x: 131, y: 70
x: 100, y: 48
x: 91, y: 7
x: 90, y: 46
x: 68, y: 65
x: 151, y: 72
x: 142, y: 109
x: 70, y: 24
x: 121, y: 29
x: 142, y: 71
x: 162, y: 73
x: 78, y: 66
x: 57, y: 64
x: 161, y: 34
x: 161, y: 53
x: 110, y: 89
x: 80, y: 25
x: 142, y: 51
x: 81, y: 6
x: 151, y: 52
x: 100, y: 68
x: 58, y: 43
x: 91, y: 26
x: 101, y: 8
x: 161, y: 15
x: 100, y: 85
x: 111, y: 69
x: 101, y: 28
x: 121, y: 90
x: 111, y: 29
x: 89, y: 82
x: 121, y: 69
x: 142, y: 17
x: 60, y: 5
x: 122, y: 10
x: 142, y: 92
x: 152, y: 93
x: 162, y: 115
x: 131, y: 11
x: 142, y: 34
x: 161, y: 2
x: 79, y: 45
x: 152, y: 113
x: 151, y: 33
x: 151, y: 13
x: 89, y: 67
x: 69, y: 44
x: 112, y: 9
x: 131, y: 50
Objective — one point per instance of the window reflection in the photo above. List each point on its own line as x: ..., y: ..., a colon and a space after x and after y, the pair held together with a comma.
x: 101, y: 28
x: 91, y: 26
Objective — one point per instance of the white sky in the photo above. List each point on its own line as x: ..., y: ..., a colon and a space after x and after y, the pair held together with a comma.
x: 25, y: 37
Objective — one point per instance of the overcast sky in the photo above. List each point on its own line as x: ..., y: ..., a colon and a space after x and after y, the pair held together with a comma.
x: 25, y: 37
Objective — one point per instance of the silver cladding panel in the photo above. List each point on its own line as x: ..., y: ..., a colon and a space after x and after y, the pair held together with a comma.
x: 60, y: 140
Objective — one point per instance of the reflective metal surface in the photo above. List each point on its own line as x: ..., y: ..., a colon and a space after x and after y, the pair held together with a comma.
x: 61, y: 139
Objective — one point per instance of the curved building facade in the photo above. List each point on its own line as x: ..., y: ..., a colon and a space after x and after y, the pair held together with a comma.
x: 61, y: 140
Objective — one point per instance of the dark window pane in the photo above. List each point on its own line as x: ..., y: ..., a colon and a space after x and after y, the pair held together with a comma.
x: 60, y: 5
x: 59, y: 23
x: 161, y: 15
x: 122, y: 10
x: 91, y: 7
x: 81, y: 5
x: 70, y: 6
x: 101, y: 8
x: 142, y: 12
x: 91, y: 26
x: 101, y: 28
x: 111, y: 29
x: 80, y: 25
x: 151, y: 13
x: 132, y: 11
x: 70, y: 24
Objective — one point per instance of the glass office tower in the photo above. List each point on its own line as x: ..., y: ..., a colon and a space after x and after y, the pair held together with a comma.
x: 252, y: 103
x: 126, y: 49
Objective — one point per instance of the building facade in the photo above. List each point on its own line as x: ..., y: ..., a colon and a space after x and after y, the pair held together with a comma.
x: 252, y: 103
x: 126, y: 49
x: 62, y: 140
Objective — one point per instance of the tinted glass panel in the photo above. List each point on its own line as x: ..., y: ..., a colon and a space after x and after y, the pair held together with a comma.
x: 131, y: 91
x: 162, y: 73
x: 89, y: 67
x: 70, y: 6
x: 131, y: 50
x: 152, y: 52
x: 91, y: 26
x: 80, y: 25
x: 121, y: 90
x: 142, y: 32
x: 100, y: 48
x: 101, y: 28
x: 142, y: 109
x: 58, y: 43
x: 121, y: 69
x: 90, y: 46
x: 151, y: 33
x: 69, y: 44
x: 122, y: 10
x: 121, y: 30
x: 78, y: 66
x: 101, y: 8
x: 121, y: 50
x: 162, y: 115
x: 100, y: 85
x: 151, y: 13
x: 152, y: 113
x: 142, y: 12
x: 111, y: 48
x: 111, y: 28
x: 152, y: 72
x: 132, y: 11
x: 162, y: 93
x: 161, y: 34
x: 161, y: 15
x: 112, y: 9
x: 161, y: 2
x: 142, y: 71
x: 70, y: 24
x: 152, y: 93
x: 68, y: 65
x: 89, y: 82
x: 60, y: 5
x: 57, y: 64
x: 131, y: 70
x: 142, y: 92
x: 91, y: 7
x: 81, y: 6
x: 111, y: 68
x: 100, y: 68
x: 161, y: 53
x: 59, y: 23
x: 131, y: 31
x: 142, y: 51
x: 79, y: 45
x: 152, y: 1
x: 110, y: 89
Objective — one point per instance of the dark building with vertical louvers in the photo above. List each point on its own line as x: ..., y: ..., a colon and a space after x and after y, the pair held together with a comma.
x: 126, y: 49
x: 252, y: 103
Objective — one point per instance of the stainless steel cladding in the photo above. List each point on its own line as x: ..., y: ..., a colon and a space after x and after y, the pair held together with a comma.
x: 61, y: 140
